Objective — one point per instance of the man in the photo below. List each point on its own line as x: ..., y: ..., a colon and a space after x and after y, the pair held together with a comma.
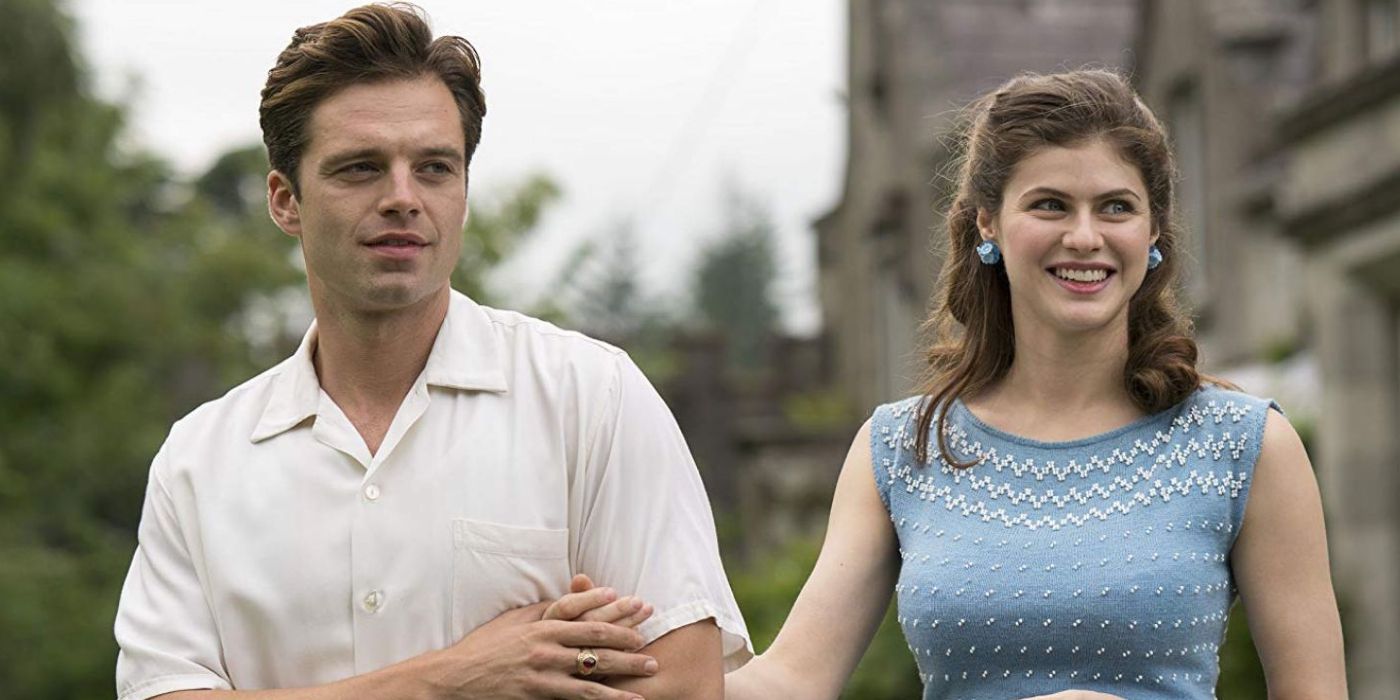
x: 345, y: 524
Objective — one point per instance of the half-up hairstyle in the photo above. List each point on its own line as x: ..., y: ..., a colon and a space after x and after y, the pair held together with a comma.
x: 972, y: 340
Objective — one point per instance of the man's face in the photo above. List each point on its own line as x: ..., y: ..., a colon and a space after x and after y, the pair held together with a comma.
x: 383, y: 195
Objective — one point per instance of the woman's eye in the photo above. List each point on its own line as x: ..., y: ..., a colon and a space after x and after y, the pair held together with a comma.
x: 1049, y: 205
x: 1117, y: 207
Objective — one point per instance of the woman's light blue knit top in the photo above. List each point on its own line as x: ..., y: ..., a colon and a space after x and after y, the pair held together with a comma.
x: 1101, y: 563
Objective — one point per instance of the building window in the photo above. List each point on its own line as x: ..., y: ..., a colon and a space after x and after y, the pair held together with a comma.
x: 1382, y: 29
x: 1186, y: 117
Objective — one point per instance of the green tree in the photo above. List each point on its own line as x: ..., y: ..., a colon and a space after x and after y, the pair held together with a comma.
x: 604, y: 279
x: 496, y: 226
x: 126, y: 295
x: 117, y: 294
x: 733, y: 284
x: 599, y: 290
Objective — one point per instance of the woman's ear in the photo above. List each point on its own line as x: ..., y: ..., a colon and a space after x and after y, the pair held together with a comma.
x: 282, y: 203
x: 985, y: 222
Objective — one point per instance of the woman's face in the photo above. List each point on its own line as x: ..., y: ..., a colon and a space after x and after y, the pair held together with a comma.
x: 1074, y: 229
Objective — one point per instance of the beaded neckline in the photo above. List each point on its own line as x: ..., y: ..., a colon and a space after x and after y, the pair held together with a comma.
x: 960, y: 412
x: 1136, y: 465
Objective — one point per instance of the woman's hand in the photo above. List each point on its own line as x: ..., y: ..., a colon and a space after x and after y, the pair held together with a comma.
x: 588, y: 603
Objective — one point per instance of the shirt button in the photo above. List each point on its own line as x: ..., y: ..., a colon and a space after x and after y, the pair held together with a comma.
x: 373, y: 601
x: 372, y: 492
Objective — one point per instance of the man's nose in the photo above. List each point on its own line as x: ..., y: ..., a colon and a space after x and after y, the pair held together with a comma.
x: 402, y: 197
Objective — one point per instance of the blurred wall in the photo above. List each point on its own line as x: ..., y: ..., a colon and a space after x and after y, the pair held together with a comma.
x: 913, y: 65
x: 1286, y: 120
x: 1339, y: 198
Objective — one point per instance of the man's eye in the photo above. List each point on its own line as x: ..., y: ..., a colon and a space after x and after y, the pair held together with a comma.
x: 438, y: 168
x: 1049, y: 205
x: 359, y: 168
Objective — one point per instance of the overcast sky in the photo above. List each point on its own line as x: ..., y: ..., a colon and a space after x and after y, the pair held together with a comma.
x: 642, y: 110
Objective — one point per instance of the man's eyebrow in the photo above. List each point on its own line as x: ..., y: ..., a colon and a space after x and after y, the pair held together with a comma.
x: 1111, y: 194
x: 446, y: 152
x: 335, y: 160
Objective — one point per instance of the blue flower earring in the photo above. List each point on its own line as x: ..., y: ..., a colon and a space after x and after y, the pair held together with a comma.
x: 990, y: 254
x: 1154, y: 257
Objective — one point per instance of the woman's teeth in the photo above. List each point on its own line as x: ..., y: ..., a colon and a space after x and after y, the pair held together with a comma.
x: 1081, y: 275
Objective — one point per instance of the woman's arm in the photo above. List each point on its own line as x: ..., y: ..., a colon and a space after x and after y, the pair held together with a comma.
x: 1280, y: 563
x: 842, y: 602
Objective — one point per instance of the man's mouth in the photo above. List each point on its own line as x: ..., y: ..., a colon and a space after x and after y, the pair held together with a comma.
x: 395, y: 240
x: 396, y: 246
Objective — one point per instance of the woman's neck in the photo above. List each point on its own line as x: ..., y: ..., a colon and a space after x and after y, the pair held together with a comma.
x: 1061, y: 386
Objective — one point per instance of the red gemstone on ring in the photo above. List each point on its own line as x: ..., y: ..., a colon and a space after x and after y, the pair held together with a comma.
x: 589, y: 662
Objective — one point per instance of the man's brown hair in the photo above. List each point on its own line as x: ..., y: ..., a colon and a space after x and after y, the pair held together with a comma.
x: 369, y: 43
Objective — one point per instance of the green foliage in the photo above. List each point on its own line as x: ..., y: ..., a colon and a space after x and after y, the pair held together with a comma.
x: 1280, y: 349
x: 604, y: 281
x: 118, y: 289
x: 495, y: 227
x: 599, y: 291
x: 1241, y: 675
x: 766, y: 589
x: 127, y: 297
x: 733, y: 284
x: 819, y: 410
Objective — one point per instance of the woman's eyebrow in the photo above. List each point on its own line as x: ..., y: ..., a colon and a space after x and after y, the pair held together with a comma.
x: 1052, y: 192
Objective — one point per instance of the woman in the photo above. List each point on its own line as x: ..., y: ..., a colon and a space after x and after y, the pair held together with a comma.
x: 1069, y: 506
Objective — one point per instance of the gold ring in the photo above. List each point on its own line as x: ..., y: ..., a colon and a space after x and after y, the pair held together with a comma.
x: 586, y: 662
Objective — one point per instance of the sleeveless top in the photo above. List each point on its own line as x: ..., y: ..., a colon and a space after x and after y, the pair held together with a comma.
x: 1099, y: 564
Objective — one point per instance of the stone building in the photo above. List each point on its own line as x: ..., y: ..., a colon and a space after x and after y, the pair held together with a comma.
x: 1286, y: 118
x: 912, y: 65
x: 1216, y: 73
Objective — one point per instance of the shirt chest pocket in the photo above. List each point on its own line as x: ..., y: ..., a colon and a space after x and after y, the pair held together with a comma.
x: 498, y: 567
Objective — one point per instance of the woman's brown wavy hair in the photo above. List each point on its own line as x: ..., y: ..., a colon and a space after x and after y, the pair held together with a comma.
x: 971, y: 336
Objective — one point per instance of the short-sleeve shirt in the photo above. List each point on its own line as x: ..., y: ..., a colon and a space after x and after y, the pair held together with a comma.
x: 275, y: 551
x: 1099, y: 564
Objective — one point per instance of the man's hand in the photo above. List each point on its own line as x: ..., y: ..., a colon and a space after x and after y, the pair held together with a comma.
x: 690, y: 673
x: 520, y: 656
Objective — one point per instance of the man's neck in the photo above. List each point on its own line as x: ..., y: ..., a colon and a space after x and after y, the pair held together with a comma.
x: 368, y: 361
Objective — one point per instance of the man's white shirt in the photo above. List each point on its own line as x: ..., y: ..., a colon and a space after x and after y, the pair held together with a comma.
x: 275, y: 551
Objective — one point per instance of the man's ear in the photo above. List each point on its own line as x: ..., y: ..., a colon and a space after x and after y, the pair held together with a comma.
x: 984, y: 224
x: 282, y: 203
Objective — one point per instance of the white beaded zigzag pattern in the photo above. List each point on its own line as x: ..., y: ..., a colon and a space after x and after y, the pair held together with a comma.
x: 930, y: 487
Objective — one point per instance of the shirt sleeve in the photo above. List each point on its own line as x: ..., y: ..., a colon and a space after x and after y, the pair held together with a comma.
x: 645, y: 523
x: 164, y: 629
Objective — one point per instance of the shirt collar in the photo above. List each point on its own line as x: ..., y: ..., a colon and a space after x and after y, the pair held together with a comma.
x: 464, y: 356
